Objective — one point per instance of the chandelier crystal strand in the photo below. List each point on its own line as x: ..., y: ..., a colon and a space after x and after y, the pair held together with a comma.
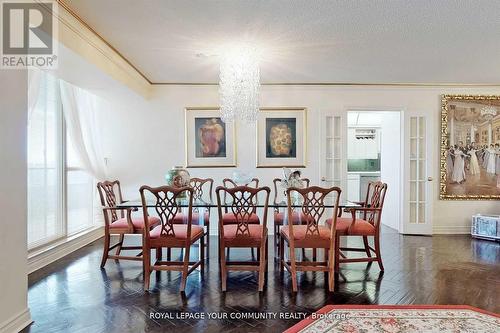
x: 239, y: 84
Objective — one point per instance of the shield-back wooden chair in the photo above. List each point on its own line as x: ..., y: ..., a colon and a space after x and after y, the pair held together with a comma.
x: 170, y: 235
x: 202, y: 191
x: 243, y: 233
x: 279, y: 216
x: 312, y: 234
x: 119, y: 221
x: 366, y: 225
x: 228, y: 217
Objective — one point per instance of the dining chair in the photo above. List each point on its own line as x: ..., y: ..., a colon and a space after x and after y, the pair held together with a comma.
x: 170, y: 235
x: 312, y: 234
x: 244, y: 232
x: 228, y: 217
x: 119, y: 221
x: 367, y: 225
x: 280, y: 217
x: 202, y: 190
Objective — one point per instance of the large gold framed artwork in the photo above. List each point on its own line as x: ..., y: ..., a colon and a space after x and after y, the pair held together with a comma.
x: 470, y: 147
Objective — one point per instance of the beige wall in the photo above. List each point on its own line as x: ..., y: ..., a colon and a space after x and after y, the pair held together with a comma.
x: 144, y: 138
x: 14, y: 313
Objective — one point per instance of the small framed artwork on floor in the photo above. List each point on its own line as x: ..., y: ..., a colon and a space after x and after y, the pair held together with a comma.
x: 209, y: 141
x: 281, y: 138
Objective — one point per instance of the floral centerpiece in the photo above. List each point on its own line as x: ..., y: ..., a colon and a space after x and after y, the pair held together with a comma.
x: 291, y: 179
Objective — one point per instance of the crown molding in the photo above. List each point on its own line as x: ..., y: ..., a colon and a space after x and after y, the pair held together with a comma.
x: 70, y: 11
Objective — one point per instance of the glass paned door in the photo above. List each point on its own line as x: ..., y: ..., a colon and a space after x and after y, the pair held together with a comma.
x: 417, y: 220
x: 333, y: 166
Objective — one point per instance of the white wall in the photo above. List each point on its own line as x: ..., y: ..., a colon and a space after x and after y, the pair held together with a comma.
x: 145, y: 138
x: 390, y: 167
x: 14, y: 313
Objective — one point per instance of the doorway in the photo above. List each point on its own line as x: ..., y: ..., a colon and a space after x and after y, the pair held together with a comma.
x: 374, y: 153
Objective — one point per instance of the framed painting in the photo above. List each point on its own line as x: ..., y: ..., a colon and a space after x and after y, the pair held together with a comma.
x: 470, y: 147
x: 282, y: 138
x: 209, y: 141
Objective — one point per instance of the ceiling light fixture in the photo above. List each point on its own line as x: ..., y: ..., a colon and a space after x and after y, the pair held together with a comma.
x: 488, y: 112
x: 239, y: 83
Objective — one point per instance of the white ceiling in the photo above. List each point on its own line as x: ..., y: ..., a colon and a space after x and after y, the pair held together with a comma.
x: 409, y: 41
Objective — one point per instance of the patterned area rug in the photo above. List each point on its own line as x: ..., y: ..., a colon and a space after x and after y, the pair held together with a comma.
x: 399, y: 319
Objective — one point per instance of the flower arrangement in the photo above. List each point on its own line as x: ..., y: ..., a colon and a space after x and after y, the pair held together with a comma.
x: 291, y: 179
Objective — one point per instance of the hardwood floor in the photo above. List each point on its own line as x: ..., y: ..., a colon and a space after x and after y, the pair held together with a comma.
x: 75, y: 295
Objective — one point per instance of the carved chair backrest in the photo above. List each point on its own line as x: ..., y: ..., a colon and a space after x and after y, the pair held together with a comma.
x: 229, y: 183
x: 201, y: 187
x: 110, y: 194
x: 243, y: 205
x: 313, y: 207
x: 166, y: 204
x: 375, y: 197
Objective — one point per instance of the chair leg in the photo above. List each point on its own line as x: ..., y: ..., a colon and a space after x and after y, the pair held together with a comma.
x: 258, y: 253
x: 314, y: 254
x: 337, y: 254
x: 262, y: 263
x: 169, y: 254
x: 293, y: 269
x: 276, y: 241
x: 185, y: 268
x: 159, y: 253
x: 223, y: 273
x: 303, y: 254
x: 253, y: 253
x: 146, y: 262
x: 282, y: 253
x: 207, y: 242
x: 367, y: 248
x: 377, y: 252
x: 202, y: 253
x: 105, y: 253
x: 331, y: 269
x: 266, y: 250
x: 120, y: 244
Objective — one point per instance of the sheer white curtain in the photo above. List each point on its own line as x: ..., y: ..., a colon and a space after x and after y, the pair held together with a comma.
x: 80, y: 114
x: 34, y: 81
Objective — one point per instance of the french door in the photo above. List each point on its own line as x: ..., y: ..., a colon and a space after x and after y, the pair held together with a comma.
x: 419, y: 141
x: 333, y: 166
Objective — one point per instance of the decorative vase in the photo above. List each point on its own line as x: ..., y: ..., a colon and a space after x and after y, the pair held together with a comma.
x: 177, y: 177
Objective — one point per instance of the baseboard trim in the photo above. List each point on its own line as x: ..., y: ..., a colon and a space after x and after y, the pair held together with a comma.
x: 450, y: 230
x: 17, y: 322
x: 57, y: 251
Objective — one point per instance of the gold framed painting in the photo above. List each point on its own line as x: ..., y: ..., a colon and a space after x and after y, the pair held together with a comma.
x: 209, y: 141
x: 470, y: 147
x: 282, y: 137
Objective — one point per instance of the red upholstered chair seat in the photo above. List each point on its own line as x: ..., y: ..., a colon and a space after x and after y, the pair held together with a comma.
x: 180, y: 231
x: 138, y: 222
x: 181, y: 218
x: 360, y: 227
x: 301, y: 239
x: 230, y: 218
x: 231, y: 238
x: 297, y: 218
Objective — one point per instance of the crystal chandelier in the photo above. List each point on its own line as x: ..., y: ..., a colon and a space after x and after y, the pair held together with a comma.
x: 239, y: 83
x: 488, y: 112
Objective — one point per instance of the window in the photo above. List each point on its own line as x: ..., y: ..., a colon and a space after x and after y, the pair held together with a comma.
x: 60, y: 192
